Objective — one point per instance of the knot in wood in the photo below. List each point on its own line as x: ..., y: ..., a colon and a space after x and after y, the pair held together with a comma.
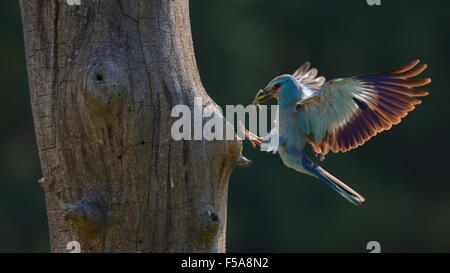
x: 89, y: 214
x: 208, y: 223
x: 106, y: 84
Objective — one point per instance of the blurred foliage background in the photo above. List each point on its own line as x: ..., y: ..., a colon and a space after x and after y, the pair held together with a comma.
x: 241, y: 45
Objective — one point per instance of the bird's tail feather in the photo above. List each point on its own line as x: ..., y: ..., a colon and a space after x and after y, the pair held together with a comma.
x: 344, y: 190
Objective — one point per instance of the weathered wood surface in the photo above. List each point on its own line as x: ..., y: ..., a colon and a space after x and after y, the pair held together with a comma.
x: 103, y: 79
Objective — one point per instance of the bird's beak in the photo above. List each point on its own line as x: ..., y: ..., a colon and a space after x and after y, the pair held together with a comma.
x: 262, y: 95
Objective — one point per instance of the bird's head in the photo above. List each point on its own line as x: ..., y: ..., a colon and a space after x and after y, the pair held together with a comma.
x: 281, y: 87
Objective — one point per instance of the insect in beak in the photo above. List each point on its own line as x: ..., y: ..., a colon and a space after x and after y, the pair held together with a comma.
x: 261, y: 96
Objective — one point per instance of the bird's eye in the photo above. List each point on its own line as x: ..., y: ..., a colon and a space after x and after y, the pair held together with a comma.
x: 277, y: 85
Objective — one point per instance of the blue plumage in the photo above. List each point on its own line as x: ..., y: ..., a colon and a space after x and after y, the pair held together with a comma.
x: 338, y: 115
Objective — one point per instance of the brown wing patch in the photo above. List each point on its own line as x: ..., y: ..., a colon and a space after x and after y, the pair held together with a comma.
x: 385, y: 99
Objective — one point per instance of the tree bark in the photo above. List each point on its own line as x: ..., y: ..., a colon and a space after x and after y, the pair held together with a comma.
x: 103, y: 78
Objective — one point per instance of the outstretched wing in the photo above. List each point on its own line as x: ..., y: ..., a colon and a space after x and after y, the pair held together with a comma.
x: 345, y: 113
x: 306, y: 76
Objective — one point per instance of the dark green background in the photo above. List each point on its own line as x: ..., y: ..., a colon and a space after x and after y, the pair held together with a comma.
x: 241, y: 45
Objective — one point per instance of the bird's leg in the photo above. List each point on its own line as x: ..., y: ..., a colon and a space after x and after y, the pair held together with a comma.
x: 320, y: 156
x: 254, y: 139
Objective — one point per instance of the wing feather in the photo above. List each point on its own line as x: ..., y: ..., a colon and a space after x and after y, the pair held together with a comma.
x: 350, y: 111
x: 307, y: 77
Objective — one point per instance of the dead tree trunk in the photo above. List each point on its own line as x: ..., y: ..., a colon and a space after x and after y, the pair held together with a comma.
x: 103, y: 78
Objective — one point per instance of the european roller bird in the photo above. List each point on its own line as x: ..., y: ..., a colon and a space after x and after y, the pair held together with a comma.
x: 338, y: 115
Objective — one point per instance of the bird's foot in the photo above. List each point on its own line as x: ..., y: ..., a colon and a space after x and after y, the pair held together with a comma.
x: 254, y: 139
x: 320, y: 156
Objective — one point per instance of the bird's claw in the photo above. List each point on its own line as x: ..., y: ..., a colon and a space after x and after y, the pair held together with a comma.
x: 254, y: 139
x: 320, y: 156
